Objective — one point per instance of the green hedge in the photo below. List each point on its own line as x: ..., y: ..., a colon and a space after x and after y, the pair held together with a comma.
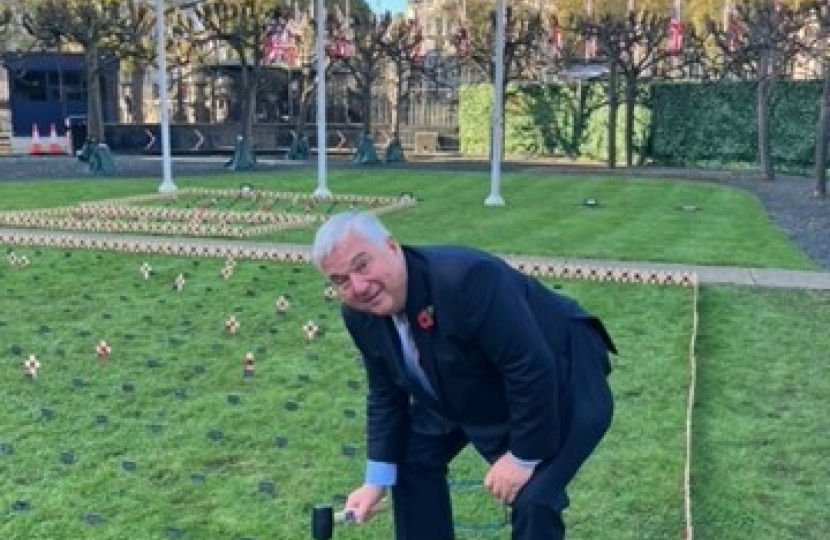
x: 540, y: 120
x: 696, y: 123
x: 682, y: 124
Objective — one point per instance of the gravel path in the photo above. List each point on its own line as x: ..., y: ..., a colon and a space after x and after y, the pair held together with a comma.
x: 789, y: 200
x: 791, y: 205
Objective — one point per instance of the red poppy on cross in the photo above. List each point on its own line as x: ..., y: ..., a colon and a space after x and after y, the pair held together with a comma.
x: 102, y: 351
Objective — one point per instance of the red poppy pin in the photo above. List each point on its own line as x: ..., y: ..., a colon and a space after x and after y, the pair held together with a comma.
x: 425, y: 319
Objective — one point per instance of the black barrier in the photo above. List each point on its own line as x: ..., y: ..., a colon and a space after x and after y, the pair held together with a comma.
x: 190, y: 139
x: 78, y: 131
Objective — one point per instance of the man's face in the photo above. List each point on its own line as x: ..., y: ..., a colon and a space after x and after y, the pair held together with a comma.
x: 368, y: 277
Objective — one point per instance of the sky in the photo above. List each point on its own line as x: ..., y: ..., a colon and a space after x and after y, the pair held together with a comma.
x: 394, y: 6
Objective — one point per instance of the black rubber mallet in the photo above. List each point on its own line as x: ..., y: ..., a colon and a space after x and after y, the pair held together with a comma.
x: 323, y: 519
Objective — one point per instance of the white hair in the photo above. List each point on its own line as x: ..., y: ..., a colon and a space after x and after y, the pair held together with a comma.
x: 337, y: 227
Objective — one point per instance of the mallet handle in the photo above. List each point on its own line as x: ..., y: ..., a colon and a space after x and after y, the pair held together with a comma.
x: 344, y: 516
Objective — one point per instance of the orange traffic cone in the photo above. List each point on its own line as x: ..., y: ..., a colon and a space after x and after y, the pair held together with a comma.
x: 35, y: 148
x: 55, y: 146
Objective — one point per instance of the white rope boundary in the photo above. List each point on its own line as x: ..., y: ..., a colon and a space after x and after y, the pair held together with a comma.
x: 688, y: 532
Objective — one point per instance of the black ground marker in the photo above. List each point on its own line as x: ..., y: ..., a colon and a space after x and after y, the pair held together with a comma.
x: 21, y: 507
x: 175, y: 532
x: 267, y: 487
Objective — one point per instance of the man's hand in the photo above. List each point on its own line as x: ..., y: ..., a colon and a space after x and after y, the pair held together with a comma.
x: 506, y: 478
x: 364, y: 502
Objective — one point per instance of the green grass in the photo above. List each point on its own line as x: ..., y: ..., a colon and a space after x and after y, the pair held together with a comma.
x: 761, y: 453
x: 168, y: 344
x: 637, y: 220
x: 760, y: 467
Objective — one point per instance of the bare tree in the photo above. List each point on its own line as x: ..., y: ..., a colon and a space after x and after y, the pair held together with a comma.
x: 358, y: 47
x: 134, y: 41
x: 475, y: 42
x: 403, y: 45
x: 242, y: 26
x: 759, y: 43
x: 637, y: 49
x: 817, y: 32
x: 91, y: 25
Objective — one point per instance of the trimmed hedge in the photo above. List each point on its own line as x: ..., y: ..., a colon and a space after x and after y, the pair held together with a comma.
x: 682, y: 124
x: 541, y: 119
x: 695, y: 123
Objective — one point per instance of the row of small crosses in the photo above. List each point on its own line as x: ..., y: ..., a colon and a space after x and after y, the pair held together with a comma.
x: 103, y: 351
x: 310, y: 328
x: 32, y: 365
x: 17, y: 260
x: 619, y: 275
x: 297, y: 256
x: 162, y: 248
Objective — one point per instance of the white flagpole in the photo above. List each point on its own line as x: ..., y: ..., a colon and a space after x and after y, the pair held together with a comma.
x: 497, y: 137
x: 167, y: 185
x: 320, y: 50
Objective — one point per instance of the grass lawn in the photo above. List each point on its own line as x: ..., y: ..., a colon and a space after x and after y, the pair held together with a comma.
x: 169, y: 440
x: 636, y: 220
x: 761, y: 466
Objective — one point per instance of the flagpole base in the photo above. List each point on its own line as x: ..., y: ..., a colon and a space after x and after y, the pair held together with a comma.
x: 494, y: 199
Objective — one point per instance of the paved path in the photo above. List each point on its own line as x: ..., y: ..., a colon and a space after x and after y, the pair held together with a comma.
x: 712, y: 275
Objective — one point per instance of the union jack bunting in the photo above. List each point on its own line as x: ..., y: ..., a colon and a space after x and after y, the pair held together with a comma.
x: 420, y: 50
x: 733, y: 26
x: 675, y: 44
x: 341, y: 38
x: 590, y: 36
x: 463, y: 43
x: 281, y: 42
x: 554, y: 36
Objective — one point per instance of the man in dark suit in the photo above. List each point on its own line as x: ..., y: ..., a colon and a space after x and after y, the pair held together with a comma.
x: 460, y: 348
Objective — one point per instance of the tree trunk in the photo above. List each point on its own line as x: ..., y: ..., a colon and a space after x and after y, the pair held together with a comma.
x: 613, y: 107
x: 137, y: 94
x: 630, y: 107
x: 764, y: 99
x: 399, y: 98
x: 366, y: 99
x: 305, y: 90
x: 579, y: 119
x: 250, y: 78
x: 821, y: 136
x: 95, y: 120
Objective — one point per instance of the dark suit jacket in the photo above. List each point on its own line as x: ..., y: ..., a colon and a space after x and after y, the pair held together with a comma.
x: 498, y: 356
